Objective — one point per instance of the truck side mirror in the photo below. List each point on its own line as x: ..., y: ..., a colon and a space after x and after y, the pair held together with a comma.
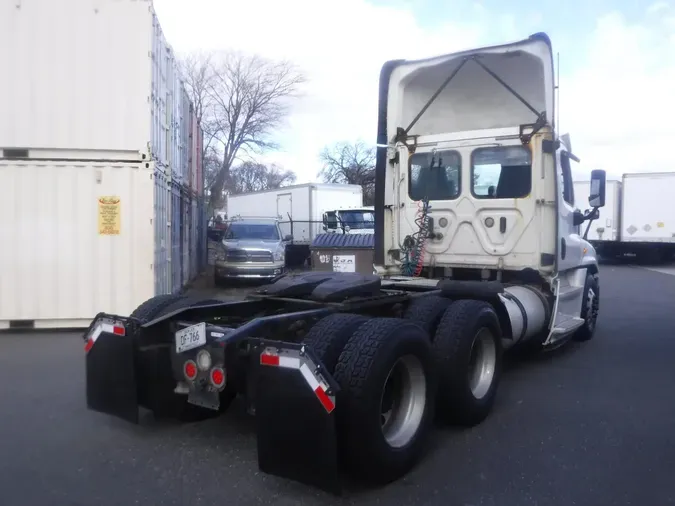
x: 578, y: 218
x: 598, y: 183
x: 288, y: 238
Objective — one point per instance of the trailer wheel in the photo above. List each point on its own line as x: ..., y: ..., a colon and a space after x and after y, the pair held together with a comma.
x: 387, y: 379
x: 427, y: 311
x: 329, y: 336
x: 468, y: 356
x: 590, y: 308
x: 149, y: 309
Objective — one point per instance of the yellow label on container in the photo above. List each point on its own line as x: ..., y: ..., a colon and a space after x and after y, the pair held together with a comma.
x: 109, y: 218
x: 660, y: 224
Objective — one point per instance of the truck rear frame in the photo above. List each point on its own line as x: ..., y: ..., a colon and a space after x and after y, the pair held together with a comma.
x: 264, y: 351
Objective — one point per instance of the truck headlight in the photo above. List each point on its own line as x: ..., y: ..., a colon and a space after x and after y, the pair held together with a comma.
x: 279, y: 256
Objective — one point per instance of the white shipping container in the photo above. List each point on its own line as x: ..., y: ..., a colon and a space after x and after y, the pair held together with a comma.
x: 90, y: 78
x: 608, y: 226
x: 648, y: 212
x: 304, y: 204
x: 79, y: 238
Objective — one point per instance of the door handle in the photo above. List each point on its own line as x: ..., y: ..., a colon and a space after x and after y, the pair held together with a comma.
x: 502, y: 224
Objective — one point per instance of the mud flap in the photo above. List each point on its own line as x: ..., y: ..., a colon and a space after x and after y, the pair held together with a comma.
x: 296, y: 432
x: 111, y: 377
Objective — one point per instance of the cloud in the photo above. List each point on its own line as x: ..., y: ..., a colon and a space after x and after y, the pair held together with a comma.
x: 340, y: 45
x: 617, y: 101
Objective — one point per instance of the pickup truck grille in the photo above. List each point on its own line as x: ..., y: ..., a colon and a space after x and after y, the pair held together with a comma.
x: 249, y: 256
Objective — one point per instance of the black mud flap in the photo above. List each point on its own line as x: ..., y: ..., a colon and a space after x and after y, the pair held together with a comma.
x: 111, y: 377
x: 296, y: 430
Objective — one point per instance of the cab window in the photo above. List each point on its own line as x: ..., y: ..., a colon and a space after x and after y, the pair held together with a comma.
x: 330, y: 220
x: 568, y: 183
x: 503, y: 172
x: 435, y: 176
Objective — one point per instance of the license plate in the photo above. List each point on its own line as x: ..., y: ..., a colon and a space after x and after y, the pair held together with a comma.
x: 191, y: 337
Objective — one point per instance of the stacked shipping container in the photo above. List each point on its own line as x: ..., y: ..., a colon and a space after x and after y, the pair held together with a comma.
x: 108, y: 208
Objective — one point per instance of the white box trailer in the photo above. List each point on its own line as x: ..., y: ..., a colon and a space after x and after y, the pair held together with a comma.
x: 607, y: 227
x: 300, y: 208
x: 90, y: 80
x: 648, y: 212
x: 638, y: 217
x: 81, y: 237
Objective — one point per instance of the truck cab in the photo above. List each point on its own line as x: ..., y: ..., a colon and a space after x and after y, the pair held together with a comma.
x: 360, y: 220
x: 474, y: 183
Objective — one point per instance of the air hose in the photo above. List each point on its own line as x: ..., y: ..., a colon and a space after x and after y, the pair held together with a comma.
x: 414, y: 244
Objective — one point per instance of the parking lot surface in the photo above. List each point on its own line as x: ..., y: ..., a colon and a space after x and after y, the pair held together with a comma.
x: 591, y: 424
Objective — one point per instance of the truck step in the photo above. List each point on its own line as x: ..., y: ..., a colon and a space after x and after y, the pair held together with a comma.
x: 565, y: 325
x: 569, y: 300
x: 568, y: 292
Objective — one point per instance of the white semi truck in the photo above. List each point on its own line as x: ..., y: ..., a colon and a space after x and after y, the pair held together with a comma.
x: 345, y: 370
x: 638, y: 218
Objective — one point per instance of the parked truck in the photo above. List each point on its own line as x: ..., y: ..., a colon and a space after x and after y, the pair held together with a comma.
x: 300, y: 210
x: 347, y: 371
x: 638, y: 218
x: 358, y: 220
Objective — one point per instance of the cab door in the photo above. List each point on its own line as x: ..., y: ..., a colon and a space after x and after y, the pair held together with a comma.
x: 569, y: 241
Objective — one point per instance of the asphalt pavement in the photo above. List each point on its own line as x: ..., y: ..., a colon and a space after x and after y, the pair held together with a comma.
x: 589, y: 425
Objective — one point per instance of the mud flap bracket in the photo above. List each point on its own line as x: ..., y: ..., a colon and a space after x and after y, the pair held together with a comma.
x: 295, y: 416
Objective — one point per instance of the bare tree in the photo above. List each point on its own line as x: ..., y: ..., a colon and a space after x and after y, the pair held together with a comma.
x: 351, y: 164
x: 251, y: 177
x: 211, y: 162
x: 240, y: 100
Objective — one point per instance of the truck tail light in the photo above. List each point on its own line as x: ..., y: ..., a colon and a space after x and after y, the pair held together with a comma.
x: 190, y: 370
x: 218, y: 377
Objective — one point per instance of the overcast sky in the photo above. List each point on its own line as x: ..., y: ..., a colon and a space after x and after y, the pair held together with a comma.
x: 617, y: 94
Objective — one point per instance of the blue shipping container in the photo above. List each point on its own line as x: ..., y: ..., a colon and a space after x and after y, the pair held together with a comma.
x: 162, y: 229
x: 176, y: 242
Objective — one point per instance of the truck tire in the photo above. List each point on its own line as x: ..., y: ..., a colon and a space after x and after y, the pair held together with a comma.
x: 329, y: 336
x: 149, y: 309
x: 167, y: 403
x: 468, y: 354
x: 385, y: 408
x: 589, y: 309
x: 427, y: 312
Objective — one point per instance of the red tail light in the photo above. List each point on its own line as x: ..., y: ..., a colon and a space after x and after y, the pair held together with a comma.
x: 190, y: 370
x: 217, y: 377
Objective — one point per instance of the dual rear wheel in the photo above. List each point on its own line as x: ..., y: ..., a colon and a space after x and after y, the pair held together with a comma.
x: 394, y: 376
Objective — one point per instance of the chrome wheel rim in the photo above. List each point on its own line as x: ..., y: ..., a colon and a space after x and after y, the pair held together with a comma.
x: 403, y: 401
x: 482, y: 363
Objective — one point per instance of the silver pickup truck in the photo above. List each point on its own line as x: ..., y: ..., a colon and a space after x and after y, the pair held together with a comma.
x: 251, y: 248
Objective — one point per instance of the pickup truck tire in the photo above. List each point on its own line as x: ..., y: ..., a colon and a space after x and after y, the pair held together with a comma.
x: 385, y: 405
x: 219, y: 281
x: 149, y: 309
x: 328, y: 337
x: 589, y: 309
x: 468, y: 355
x: 161, y: 398
x: 427, y: 312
